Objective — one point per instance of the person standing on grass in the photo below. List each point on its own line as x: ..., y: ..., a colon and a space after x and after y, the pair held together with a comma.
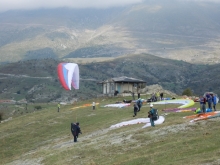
x: 133, y: 97
x: 139, y: 104
x: 161, y: 96
x: 209, y: 100
x: 139, y: 95
x: 58, y: 107
x: 75, y: 129
x: 151, y: 114
x: 93, y: 105
x: 135, y: 109
x: 214, y: 100
x: 202, y: 104
x: 158, y: 96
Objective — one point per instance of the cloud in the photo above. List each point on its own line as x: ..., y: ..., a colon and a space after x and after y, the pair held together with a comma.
x: 36, y: 4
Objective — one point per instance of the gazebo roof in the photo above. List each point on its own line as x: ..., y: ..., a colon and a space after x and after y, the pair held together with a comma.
x: 125, y: 80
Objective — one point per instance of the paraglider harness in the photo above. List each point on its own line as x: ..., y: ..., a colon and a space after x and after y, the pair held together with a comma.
x: 154, y: 114
x: 73, y: 128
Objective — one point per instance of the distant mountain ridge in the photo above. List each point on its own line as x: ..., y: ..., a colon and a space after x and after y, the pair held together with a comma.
x: 182, y: 30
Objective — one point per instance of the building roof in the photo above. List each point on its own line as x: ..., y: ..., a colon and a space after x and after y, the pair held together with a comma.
x: 125, y: 80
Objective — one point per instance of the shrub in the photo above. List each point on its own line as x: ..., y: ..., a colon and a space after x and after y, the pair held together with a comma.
x: 187, y: 92
x: 1, y: 116
x: 37, y: 107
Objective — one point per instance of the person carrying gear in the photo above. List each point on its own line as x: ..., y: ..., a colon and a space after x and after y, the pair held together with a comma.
x: 135, y: 109
x: 139, y: 104
x: 153, y: 115
x: 75, y: 129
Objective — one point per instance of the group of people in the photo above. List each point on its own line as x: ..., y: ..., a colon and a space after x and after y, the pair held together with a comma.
x: 152, y: 114
x: 75, y: 128
x: 156, y: 96
x: 137, y: 106
x: 209, y: 98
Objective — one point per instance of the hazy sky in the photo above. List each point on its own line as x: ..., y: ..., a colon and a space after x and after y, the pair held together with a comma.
x: 35, y: 4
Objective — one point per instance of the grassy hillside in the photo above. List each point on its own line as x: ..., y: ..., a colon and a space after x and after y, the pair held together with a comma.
x: 43, y: 137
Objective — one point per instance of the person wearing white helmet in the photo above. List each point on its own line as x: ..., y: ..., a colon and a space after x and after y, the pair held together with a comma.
x: 150, y: 115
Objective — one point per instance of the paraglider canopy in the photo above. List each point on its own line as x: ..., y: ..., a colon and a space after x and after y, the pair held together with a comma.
x: 68, y: 74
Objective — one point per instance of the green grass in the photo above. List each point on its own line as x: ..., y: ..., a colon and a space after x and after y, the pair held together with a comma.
x: 45, y: 134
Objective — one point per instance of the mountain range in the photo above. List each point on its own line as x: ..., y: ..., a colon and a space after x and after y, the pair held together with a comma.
x: 182, y: 30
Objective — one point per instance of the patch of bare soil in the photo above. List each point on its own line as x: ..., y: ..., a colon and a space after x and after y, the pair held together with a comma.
x: 27, y: 162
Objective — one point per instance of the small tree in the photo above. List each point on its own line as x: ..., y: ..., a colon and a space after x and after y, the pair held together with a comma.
x: 187, y: 92
x: 37, y: 107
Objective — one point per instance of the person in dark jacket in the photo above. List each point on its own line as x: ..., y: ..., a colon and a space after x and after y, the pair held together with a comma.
x: 75, y: 129
x: 161, y: 96
x: 203, y: 104
x: 214, y: 100
x: 139, y: 103
x: 209, y: 100
x: 150, y: 115
x: 135, y: 109
x: 139, y: 95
